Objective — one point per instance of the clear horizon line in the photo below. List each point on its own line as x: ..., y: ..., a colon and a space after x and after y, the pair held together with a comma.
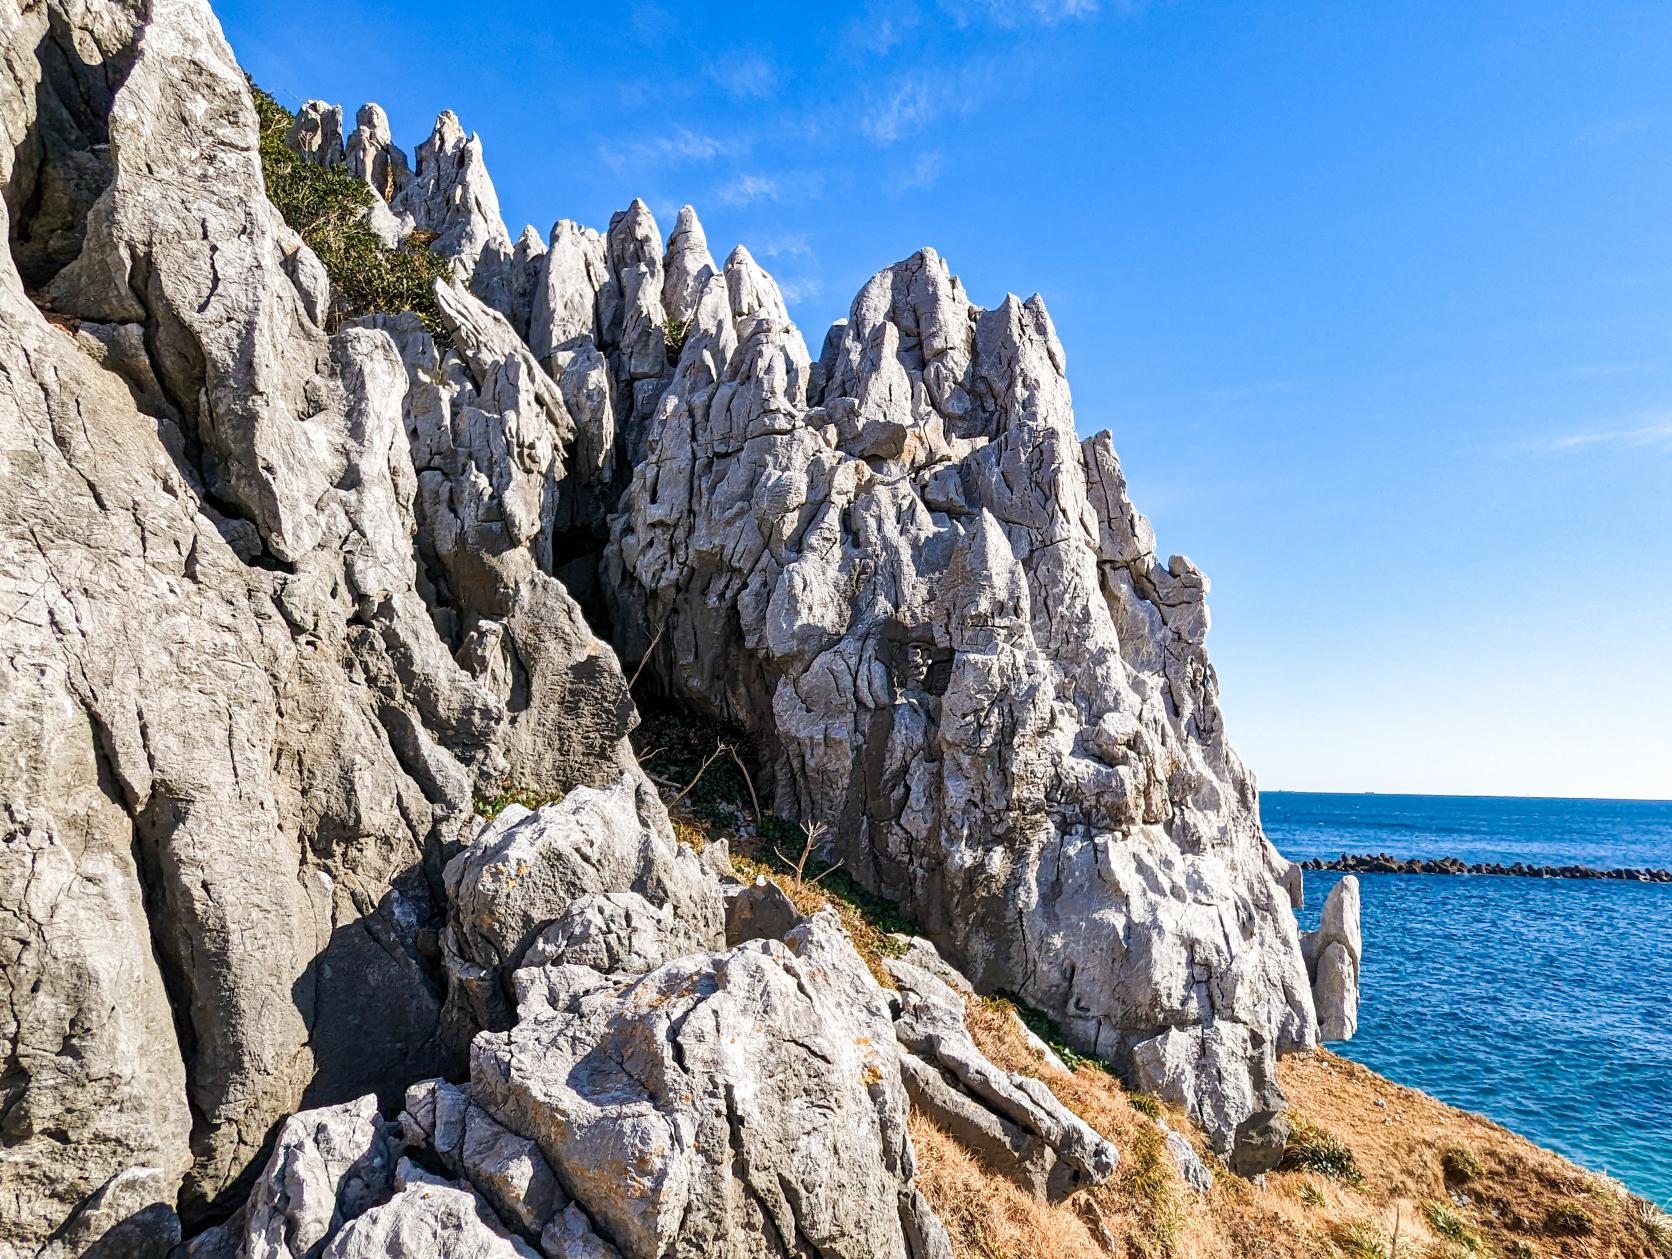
x: 1461, y: 795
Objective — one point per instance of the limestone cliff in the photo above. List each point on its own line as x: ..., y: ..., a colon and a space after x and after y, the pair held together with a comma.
x: 285, y: 591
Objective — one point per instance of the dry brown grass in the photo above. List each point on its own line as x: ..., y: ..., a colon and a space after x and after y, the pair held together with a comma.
x: 1518, y: 1201
x: 1519, y: 1195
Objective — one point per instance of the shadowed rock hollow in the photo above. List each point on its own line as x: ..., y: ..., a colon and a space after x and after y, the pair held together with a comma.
x: 284, y: 592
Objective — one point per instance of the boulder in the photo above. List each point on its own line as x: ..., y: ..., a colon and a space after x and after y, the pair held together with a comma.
x: 739, y: 1103
x: 1192, y: 1170
x: 527, y: 869
x: 428, y: 1217
x: 329, y: 1166
x: 1012, y: 1120
x: 758, y: 911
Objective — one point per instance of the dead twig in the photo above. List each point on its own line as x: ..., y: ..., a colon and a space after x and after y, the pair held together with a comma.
x: 754, y: 800
x: 648, y: 653
x: 712, y: 757
x: 799, y: 864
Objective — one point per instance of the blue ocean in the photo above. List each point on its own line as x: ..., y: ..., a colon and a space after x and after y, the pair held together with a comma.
x: 1545, y: 1004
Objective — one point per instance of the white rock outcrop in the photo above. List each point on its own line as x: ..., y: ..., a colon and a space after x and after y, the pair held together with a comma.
x: 939, y: 614
x: 1014, y: 1121
x: 1333, y: 953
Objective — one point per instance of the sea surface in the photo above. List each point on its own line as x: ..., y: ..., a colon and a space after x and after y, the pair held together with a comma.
x: 1544, y: 1004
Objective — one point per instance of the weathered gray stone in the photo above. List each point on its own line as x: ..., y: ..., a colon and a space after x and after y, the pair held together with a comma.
x: 1192, y: 1170
x: 527, y: 869
x: 281, y: 603
x: 924, y: 955
x: 237, y: 744
x: 329, y: 1166
x: 939, y: 609
x: 505, y: 1168
x: 758, y: 911
x: 451, y: 195
x: 686, y: 269
x: 740, y: 1103
x: 427, y: 1218
x: 317, y: 134
x: 372, y: 156
x: 570, y: 1236
x: 1038, y: 1139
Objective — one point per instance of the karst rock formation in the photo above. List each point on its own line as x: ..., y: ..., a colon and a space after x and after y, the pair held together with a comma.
x: 282, y: 594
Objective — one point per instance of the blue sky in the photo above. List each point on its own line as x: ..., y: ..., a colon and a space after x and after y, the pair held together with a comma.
x: 1376, y: 298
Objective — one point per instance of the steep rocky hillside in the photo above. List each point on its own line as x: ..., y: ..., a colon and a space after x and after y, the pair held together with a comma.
x: 339, y: 913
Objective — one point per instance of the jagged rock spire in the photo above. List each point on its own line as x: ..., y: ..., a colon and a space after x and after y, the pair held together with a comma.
x: 686, y: 268
x: 317, y: 133
x: 373, y: 156
x: 1008, y: 722
x: 565, y: 307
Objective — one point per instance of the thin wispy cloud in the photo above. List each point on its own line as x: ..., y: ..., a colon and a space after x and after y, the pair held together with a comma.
x: 924, y: 171
x: 802, y: 289
x: 785, y: 245
x: 1608, y: 371
x: 1654, y: 432
x: 1020, y: 12
x: 743, y: 75
x: 883, y: 26
x: 649, y: 22
x: 1606, y: 132
x: 682, y: 145
x: 910, y: 105
x: 751, y: 188
x: 747, y: 190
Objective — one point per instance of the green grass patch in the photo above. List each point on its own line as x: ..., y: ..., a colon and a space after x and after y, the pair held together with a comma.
x: 1569, y: 1218
x: 1046, y: 1028
x: 1148, y: 1176
x: 1657, y: 1225
x: 1358, y: 1240
x: 492, y: 806
x: 326, y: 207
x: 1311, y: 1149
x: 1448, y: 1224
x: 1459, y: 1164
x: 1146, y: 1104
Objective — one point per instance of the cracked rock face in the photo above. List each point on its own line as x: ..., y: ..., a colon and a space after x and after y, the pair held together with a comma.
x: 237, y: 744
x: 652, y: 1096
x: 746, y: 1102
x: 938, y: 610
x: 1014, y: 1121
